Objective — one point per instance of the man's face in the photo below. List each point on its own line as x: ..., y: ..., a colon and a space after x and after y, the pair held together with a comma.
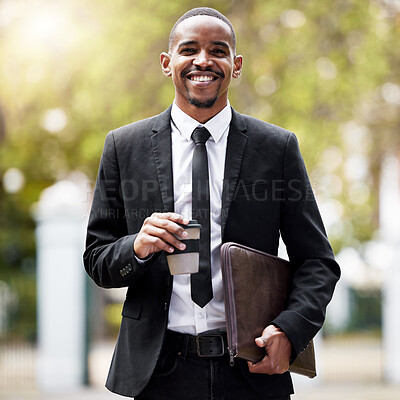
x: 201, y: 62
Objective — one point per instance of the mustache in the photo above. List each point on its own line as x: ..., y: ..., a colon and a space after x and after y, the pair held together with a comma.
x: 186, y: 72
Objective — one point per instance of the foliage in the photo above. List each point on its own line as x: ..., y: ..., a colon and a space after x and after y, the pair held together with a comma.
x: 366, y: 307
x: 19, y: 314
x: 73, y: 70
x: 112, y: 316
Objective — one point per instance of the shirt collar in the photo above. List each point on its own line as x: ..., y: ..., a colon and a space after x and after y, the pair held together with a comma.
x: 217, y: 125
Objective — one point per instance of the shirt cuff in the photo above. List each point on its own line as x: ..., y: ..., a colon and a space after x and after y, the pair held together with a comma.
x: 143, y: 261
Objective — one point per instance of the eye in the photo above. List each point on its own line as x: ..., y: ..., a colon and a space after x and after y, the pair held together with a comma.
x: 188, y: 50
x: 219, y: 51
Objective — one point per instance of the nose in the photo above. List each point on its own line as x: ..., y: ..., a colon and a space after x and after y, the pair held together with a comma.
x: 202, y: 59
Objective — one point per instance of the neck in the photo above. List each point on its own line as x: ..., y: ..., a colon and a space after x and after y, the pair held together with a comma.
x: 201, y: 115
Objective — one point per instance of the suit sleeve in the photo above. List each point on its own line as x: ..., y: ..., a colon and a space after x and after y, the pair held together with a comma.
x: 315, y: 269
x: 109, y: 257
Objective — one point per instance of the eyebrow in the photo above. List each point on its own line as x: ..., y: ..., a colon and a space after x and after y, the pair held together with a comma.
x: 187, y: 43
x: 223, y: 44
x: 192, y: 42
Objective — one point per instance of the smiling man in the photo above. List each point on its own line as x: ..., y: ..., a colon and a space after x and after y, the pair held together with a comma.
x: 244, y: 180
x: 202, y: 61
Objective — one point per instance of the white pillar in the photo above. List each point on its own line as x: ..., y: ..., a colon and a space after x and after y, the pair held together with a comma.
x: 61, y: 287
x: 390, y: 234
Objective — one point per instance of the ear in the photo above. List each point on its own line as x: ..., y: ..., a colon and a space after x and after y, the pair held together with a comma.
x: 237, y: 68
x: 165, y: 60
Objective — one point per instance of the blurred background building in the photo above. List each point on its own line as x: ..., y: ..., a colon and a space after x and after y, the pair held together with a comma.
x: 72, y: 70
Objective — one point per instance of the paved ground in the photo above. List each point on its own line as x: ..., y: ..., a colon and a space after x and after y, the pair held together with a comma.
x: 349, y: 392
x: 348, y: 370
x: 328, y: 392
x: 81, y: 394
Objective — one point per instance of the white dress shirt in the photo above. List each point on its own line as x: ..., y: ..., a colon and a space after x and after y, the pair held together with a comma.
x: 184, y: 315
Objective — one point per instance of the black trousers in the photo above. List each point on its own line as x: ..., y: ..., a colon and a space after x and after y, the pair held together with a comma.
x: 180, y: 375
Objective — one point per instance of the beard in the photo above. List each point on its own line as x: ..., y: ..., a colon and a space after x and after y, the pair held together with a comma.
x: 208, y: 103
x: 202, y: 104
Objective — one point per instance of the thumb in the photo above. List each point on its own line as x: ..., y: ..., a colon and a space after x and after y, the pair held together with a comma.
x: 260, y: 342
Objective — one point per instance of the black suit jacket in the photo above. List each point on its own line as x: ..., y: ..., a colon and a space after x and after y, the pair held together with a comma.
x: 266, y: 192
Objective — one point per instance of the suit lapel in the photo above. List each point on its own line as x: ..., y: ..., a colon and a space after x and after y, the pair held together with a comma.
x: 237, y: 140
x: 162, y: 152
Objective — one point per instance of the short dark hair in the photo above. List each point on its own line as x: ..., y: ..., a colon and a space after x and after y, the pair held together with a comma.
x: 210, y: 12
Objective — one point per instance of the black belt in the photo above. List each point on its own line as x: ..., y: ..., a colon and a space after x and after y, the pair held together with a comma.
x: 204, y: 345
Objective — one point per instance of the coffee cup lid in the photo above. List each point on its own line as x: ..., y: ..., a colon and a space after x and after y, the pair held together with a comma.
x: 192, y: 224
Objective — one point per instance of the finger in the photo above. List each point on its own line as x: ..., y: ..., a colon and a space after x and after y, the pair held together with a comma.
x: 146, y: 244
x: 171, y: 216
x: 267, y: 366
x: 263, y: 341
x: 261, y: 367
x: 166, y: 236
x: 159, y: 232
x: 260, y: 342
x: 167, y: 225
x: 158, y: 244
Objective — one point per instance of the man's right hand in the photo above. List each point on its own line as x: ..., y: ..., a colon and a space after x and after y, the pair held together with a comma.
x: 157, y: 233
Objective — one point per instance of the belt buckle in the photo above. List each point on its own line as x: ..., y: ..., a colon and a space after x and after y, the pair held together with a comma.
x: 204, y: 337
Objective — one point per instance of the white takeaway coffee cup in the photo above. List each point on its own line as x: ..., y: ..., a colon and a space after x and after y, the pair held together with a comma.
x: 186, y: 261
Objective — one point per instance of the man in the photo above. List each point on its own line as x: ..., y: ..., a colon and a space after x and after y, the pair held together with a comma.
x: 257, y: 189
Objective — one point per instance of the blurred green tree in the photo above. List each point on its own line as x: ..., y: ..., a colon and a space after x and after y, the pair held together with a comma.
x: 73, y: 70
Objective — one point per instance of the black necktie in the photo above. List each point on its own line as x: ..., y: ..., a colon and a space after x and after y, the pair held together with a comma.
x: 201, y: 287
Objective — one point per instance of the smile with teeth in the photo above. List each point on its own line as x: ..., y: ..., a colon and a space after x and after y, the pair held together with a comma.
x: 201, y: 78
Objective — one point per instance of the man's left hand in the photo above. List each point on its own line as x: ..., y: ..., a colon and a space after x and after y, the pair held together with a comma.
x: 278, y: 349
